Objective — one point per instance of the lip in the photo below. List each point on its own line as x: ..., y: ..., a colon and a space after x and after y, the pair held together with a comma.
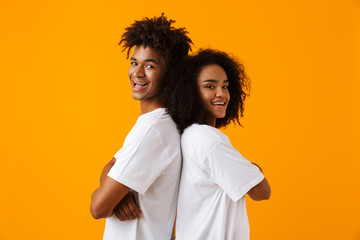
x: 219, y: 105
x: 139, y: 85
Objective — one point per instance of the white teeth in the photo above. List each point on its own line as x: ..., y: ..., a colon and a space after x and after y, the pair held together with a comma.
x: 142, y: 84
x: 218, y: 103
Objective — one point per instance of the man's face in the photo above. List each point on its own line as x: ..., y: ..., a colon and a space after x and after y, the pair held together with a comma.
x: 146, y: 73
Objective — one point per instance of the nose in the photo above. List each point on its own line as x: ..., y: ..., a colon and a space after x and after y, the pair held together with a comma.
x: 219, y: 92
x: 138, y: 71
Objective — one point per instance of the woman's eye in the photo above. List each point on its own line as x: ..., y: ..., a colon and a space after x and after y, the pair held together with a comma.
x: 149, y: 66
x: 133, y: 63
x: 226, y: 87
x: 209, y: 86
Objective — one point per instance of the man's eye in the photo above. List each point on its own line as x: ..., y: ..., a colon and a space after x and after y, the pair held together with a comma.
x: 149, y: 66
x: 133, y: 63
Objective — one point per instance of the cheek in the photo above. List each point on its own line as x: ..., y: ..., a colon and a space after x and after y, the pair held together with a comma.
x: 154, y: 78
x: 203, y: 95
x: 206, y: 97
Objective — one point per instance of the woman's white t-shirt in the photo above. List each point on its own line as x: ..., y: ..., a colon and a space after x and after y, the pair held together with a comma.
x: 215, y: 178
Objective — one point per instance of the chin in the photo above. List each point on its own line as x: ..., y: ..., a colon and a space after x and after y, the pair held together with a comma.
x: 219, y: 115
x: 137, y: 96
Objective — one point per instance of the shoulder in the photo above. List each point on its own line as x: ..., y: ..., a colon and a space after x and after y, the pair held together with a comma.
x: 203, y: 132
x: 159, y: 120
x: 144, y: 127
x: 202, y: 137
x: 157, y: 127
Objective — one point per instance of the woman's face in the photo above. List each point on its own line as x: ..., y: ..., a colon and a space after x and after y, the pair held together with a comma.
x: 213, y: 85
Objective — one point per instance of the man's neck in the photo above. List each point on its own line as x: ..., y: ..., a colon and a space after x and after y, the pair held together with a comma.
x: 148, y: 106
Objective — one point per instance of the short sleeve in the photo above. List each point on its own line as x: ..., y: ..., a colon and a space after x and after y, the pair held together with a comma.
x: 141, y: 159
x: 231, y: 171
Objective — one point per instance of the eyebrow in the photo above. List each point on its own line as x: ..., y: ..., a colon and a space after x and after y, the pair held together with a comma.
x: 214, y: 81
x: 146, y: 60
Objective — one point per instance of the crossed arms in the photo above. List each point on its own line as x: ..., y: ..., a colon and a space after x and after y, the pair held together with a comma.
x: 113, y: 197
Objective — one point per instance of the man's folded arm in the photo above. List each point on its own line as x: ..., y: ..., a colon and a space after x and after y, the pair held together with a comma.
x: 108, y: 195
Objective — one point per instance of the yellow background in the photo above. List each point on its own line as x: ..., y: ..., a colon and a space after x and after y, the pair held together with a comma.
x: 66, y: 107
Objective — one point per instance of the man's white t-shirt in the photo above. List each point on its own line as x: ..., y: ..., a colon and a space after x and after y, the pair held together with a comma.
x: 214, y: 181
x: 149, y: 163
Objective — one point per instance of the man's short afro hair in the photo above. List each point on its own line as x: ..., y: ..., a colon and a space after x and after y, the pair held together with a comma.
x: 157, y: 33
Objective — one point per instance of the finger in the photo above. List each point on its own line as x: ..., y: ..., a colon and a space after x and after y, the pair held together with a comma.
x: 121, y: 208
x: 118, y: 215
x: 135, y: 210
x: 136, y: 203
x: 127, y: 213
x: 127, y: 207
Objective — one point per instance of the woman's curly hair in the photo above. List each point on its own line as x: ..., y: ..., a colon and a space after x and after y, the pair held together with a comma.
x: 181, y: 96
x: 157, y: 33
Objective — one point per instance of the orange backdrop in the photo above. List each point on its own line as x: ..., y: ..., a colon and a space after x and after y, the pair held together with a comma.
x: 66, y: 107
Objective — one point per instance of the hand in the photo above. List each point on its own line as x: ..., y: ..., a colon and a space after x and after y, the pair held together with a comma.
x: 127, y: 208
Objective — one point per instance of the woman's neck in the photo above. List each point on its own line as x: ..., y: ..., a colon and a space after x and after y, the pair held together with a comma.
x: 212, y: 122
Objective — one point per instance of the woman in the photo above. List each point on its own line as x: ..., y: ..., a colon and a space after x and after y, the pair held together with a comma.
x: 208, y: 92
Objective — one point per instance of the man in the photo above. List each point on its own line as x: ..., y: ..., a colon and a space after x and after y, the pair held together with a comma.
x: 149, y: 162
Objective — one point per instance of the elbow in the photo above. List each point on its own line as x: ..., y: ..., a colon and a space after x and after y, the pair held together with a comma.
x: 97, y: 215
x: 97, y: 212
x: 267, y: 195
x: 261, y: 197
x: 98, y: 209
x: 260, y: 192
x: 264, y: 196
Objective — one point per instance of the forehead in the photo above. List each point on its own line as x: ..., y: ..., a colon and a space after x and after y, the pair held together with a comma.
x: 213, y: 71
x: 142, y: 53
